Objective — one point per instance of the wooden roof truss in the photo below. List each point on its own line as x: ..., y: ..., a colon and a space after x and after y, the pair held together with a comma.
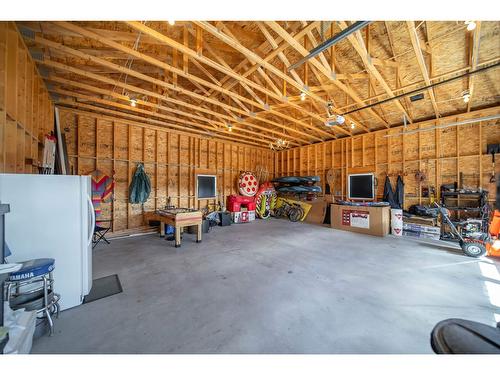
x: 206, y: 77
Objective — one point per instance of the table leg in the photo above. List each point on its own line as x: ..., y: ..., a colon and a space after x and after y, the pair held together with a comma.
x: 177, y: 236
x: 198, y: 235
x: 162, y: 229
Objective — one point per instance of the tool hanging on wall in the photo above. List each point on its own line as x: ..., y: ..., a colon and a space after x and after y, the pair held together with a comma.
x: 493, y: 149
x: 329, y: 180
x: 49, y: 155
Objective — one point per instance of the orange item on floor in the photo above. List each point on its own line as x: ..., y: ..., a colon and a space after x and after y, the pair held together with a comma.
x: 493, y: 249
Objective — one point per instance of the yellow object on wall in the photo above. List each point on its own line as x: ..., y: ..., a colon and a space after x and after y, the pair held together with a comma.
x: 305, y: 206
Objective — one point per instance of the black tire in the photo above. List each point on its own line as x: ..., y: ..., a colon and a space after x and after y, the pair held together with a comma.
x: 474, y: 249
x: 295, y: 214
x: 266, y: 214
x: 279, y: 212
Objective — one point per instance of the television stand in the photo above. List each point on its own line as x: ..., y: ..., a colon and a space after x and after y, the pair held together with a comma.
x: 366, y: 219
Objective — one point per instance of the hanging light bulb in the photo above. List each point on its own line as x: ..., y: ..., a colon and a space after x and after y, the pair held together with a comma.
x: 302, y: 96
x: 466, y: 96
x: 171, y: 22
x: 353, y: 125
x: 133, y: 102
x: 471, y: 25
x: 230, y: 127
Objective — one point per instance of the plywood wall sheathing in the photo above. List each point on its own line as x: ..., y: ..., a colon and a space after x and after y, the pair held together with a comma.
x: 170, y: 159
x: 442, y: 154
x: 26, y: 112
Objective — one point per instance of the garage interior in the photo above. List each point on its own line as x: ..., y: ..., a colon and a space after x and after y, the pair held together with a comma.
x: 256, y: 186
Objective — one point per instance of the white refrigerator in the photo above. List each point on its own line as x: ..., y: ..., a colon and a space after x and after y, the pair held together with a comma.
x: 51, y: 216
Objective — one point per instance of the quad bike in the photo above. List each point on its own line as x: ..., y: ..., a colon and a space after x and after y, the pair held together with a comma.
x: 470, y: 235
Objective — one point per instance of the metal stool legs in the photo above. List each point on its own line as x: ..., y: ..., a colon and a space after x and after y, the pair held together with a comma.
x: 49, y: 306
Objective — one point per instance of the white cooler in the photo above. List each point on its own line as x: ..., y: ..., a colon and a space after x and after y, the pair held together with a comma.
x: 396, y: 222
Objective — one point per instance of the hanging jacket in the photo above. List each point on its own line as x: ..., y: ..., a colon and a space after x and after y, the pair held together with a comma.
x: 388, y: 193
x: 399, y: 193
x: 140, y: 187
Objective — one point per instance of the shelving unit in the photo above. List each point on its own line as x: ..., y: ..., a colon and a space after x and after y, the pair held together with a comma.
x: 473, y: 204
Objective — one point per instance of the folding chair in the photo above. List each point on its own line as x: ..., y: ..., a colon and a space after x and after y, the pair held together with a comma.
x: 100, y: 232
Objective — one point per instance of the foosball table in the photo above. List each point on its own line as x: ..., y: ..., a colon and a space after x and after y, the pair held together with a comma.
x: 178, y: 218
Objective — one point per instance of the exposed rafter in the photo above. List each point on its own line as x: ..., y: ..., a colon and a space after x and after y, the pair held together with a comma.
x: 147, y: 78
x: 474, y: 60
x: 202, y: 76
x: 415, y: 41
x: 359, y: 45
x: 203, y: 59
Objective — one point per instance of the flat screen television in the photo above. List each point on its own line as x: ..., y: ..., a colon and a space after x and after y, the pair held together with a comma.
x: 206, y: 186
x: 361, y: 186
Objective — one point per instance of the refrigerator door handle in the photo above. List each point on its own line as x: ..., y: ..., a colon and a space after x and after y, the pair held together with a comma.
x: 92, y: 215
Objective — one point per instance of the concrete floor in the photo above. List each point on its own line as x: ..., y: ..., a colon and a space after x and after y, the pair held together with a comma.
x: 273, y: 287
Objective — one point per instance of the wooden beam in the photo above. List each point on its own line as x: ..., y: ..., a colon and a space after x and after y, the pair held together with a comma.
x: 324, y: 70
x: 435, y: 78
x: 320, y: 79
x: 475, y: 43
x: 281, y: 55
x: 359, y: 45
x: 152, y: 114
x: 270, y: 56
x: 89, y: 111
x: 148, y: 93
x: 150, y: 79
x: 399, y: 82
x: 185, y: 58
x: 421, y: 62
x: 109, y: 93
x: 119, y: 115
x: 252, y: 56
x: 203, y: 59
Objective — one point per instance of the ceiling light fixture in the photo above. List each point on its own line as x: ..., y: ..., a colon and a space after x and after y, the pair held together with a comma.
x: 353, y: 125
x: 302, y: 96
x: 335, y: 121
x: 171, y: 22
x: 466, y: 96
x: 471, y: 25
x: 279, y: 144
x: 133, y: 102
x: 230, y: 127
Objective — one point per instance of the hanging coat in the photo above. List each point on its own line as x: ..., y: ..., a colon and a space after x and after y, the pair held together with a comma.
x: 399, y: 193
x: 140, y: 187
x: 388, y: 193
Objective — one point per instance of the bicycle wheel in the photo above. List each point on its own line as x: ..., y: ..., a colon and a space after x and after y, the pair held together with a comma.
x: 294, y: 214
x: 279, y: 212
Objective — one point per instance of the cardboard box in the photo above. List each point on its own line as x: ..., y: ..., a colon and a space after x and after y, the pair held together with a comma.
x: 243, y: 216
x: 361, y: 219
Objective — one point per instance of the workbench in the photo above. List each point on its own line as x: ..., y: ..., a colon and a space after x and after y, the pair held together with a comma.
x: 178, y: 218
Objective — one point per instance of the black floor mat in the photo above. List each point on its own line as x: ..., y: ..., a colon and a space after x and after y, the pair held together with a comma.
x: 104, y: 287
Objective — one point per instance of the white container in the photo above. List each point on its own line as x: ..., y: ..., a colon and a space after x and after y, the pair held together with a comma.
x: 396, y: 222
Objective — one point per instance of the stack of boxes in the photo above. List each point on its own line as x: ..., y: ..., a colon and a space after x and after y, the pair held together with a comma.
x: 242, y: 208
